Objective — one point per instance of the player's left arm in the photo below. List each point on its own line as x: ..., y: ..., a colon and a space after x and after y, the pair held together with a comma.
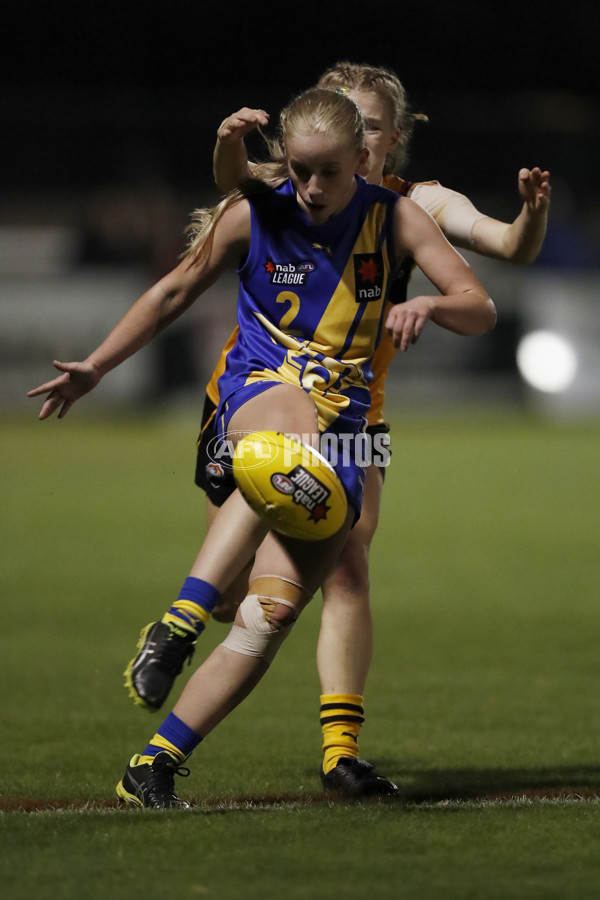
x: 465, y: 226
x: 519, y: 241
x: 463, y: 305
x: 230, y: 158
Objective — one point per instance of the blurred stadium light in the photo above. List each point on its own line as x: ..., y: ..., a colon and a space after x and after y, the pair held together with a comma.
x: 561, y: 319
x: 547, y: 361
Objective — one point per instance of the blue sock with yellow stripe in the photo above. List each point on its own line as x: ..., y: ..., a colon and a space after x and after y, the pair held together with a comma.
x: 193, y: 607
x: 175, y: 737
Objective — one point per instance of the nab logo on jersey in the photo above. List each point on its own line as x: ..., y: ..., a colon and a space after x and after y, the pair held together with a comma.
x: 368, y: 276
x: 289, y: 273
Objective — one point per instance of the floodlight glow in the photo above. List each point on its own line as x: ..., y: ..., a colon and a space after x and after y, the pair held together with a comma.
x: 547, y: 361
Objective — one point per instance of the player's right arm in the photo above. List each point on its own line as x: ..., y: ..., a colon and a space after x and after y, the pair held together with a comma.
x: 230, y: 159
x: 151, y: 313
x: 462, y: 305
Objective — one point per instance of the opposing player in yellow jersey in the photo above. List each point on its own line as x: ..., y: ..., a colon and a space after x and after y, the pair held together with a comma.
x: 346, y: 635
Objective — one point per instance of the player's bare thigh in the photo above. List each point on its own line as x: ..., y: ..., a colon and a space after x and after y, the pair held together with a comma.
x: 282, y: 407
x: 305, y: 562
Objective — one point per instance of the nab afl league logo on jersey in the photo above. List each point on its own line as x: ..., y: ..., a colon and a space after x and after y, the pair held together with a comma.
x: 290, y: 272
x: 368, y: 276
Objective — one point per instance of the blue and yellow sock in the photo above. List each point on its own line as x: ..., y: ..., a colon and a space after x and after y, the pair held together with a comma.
x: 342, y: 717
x: 175, y: 737
x: 193, y: 607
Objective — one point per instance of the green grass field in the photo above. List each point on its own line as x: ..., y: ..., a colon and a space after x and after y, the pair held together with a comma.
x: 482, y: 703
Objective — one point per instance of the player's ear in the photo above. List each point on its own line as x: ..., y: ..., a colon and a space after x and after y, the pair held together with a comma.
x: 394, y: 139
x: 361, y: 166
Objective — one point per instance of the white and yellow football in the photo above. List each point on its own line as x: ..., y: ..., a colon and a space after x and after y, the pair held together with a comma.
x: 293, y: 487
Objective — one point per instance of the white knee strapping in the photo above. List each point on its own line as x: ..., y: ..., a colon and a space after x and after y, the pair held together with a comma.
x: 260, y: 636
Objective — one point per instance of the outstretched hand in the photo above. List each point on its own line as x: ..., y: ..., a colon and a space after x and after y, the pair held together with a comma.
x: 534, y: 188
x: 240, y: 123
x: 78, y: 378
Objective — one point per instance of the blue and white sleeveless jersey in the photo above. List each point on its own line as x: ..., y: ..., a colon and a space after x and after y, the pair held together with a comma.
x: 311, y: 302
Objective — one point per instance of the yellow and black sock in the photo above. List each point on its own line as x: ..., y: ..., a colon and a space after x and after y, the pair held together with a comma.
x: 342, y: 717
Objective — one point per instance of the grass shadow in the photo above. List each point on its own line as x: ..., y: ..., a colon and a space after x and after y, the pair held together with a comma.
x: 436, y: 785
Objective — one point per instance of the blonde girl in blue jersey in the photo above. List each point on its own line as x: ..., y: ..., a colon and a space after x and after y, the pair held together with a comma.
x: 346, y: 635
x: 323, y: 146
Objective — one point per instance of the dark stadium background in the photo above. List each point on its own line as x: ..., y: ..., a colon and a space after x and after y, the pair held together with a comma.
x: 89, y: 88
